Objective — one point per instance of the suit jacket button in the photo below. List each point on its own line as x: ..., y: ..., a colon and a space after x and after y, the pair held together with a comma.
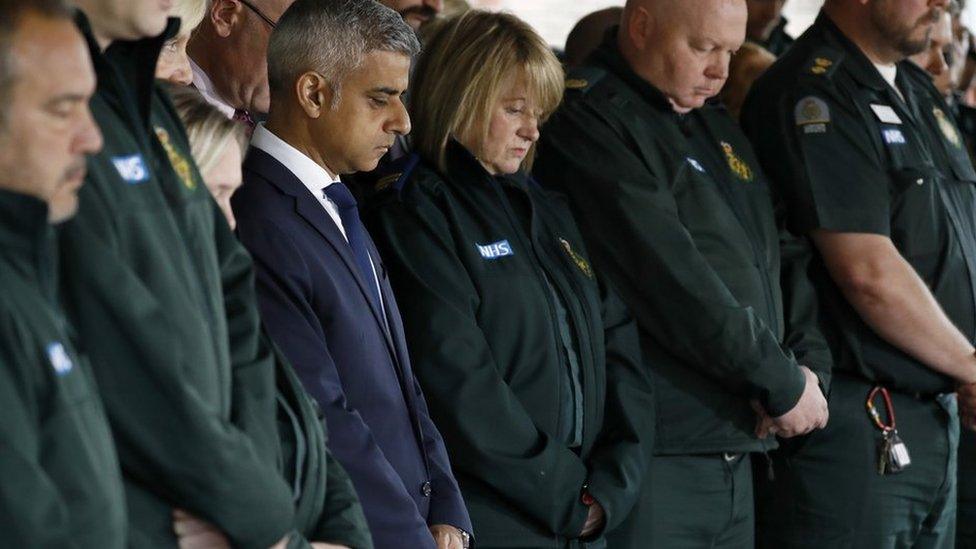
x: 426, y: 489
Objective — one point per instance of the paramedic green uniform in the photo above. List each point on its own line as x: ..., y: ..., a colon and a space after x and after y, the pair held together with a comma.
x: 677, y: 213
x: 530, y: 364
x: 849, y: 153
x: 60, y: 484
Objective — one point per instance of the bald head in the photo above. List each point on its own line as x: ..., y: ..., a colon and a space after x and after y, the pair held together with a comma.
x: 682, y: 47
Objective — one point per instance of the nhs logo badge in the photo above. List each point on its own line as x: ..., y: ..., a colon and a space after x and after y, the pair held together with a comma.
x: 696, y: 164
x: 59, y: 359
x: 893, y: 136
x: 131, y: 168
x: 495, y: 250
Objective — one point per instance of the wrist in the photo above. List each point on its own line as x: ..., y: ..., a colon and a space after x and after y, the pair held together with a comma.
x: 969, y: 376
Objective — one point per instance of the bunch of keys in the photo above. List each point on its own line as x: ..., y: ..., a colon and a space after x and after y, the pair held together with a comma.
x: 893, y: 454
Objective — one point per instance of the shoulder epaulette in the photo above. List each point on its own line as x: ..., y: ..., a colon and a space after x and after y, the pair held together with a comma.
x: 824, y: 62
x: 582, y: 79
x: 396, y: 173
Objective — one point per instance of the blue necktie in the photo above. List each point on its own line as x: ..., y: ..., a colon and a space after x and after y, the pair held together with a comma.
x: 355, y: 232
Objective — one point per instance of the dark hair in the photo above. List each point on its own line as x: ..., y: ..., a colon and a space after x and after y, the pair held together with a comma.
x: 11, y: 13
x: 333, y: 37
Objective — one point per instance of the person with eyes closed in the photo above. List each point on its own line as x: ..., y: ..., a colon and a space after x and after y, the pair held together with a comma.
x: 677, y: 213
x: 530, y: 362
x: 338, y: 71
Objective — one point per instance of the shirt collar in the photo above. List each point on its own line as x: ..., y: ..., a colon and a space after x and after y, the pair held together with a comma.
x: 608, y: 54
x: 856, y: 62
x: 313, y: 176
x: 203, y: 84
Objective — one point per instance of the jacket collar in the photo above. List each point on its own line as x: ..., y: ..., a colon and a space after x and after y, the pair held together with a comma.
x: 608, y: 56
x: 25, y: 233
x: 127, y: 68
x: 464, y: 169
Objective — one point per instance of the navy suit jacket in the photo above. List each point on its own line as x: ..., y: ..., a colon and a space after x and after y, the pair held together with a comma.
x: 318, y: 309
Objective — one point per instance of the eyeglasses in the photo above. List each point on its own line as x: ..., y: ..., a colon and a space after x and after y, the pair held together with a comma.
x: 271, y: 23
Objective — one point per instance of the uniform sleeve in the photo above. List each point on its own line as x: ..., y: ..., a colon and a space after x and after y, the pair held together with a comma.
x: 619, y: 458
x: 466, y: 393
x: 343, y: 521
x: 283, y: 296
x: 252, y: 361
x: 635, y: 232
x: 33, y: 512
x: 820, y: 155
x: 802, y: 334
x: 170, y: 438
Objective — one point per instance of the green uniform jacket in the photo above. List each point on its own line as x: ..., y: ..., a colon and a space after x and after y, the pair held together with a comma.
x: 60, y: 484
x: 326, y: 506
x: 162, y: 295
x: 847, y: 154
x: 469, y: 256
x: 677, y: 212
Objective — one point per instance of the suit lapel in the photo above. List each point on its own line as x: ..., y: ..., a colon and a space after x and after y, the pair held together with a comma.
x: 309, y: 209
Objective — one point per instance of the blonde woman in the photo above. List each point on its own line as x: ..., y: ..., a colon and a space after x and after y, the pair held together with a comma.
x: 173, y: 65
x: 529, y: 363
x: 217, y: 144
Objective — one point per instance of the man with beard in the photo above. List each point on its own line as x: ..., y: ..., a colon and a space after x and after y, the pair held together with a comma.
x: 872, y: 170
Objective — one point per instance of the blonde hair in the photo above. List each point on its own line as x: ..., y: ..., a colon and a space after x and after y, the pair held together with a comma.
x: 209, y: 131
x: 190, y: 12
x: 461, y: 73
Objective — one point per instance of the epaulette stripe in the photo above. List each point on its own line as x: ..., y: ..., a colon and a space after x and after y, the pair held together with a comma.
x: 412, y: 162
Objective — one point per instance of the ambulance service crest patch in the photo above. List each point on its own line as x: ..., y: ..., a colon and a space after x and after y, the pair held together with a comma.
x: 179, y: 162
x: 736, y: 164
x: 579, y: 260
x: 948, y: 130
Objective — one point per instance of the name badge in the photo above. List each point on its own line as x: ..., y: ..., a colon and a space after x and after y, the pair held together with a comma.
x: 893, y: 136
x: 495, y: 250
x: 886, y: 114
x: 132, y: 168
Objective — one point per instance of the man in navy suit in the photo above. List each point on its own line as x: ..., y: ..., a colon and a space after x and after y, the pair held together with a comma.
x: 338, y: 71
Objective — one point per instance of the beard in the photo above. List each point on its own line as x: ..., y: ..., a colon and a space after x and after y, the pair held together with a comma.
x: 904, y: 37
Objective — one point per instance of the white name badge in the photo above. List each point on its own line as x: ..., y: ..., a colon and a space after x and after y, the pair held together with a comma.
x: 886, y: 114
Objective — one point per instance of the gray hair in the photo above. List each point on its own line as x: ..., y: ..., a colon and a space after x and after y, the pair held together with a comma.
x: 11, y: 12
x: 333, y: 37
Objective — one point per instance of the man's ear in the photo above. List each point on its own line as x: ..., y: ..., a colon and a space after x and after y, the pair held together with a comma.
x: 314, y: 94
x: 225, y: 15
x: 637, y: 26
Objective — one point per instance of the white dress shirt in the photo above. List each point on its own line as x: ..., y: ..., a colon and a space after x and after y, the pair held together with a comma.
x: 315, y: 178
x: 205, y: 86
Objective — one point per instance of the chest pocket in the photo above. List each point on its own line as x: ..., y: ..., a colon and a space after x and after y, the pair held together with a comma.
x: 915, y: 198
